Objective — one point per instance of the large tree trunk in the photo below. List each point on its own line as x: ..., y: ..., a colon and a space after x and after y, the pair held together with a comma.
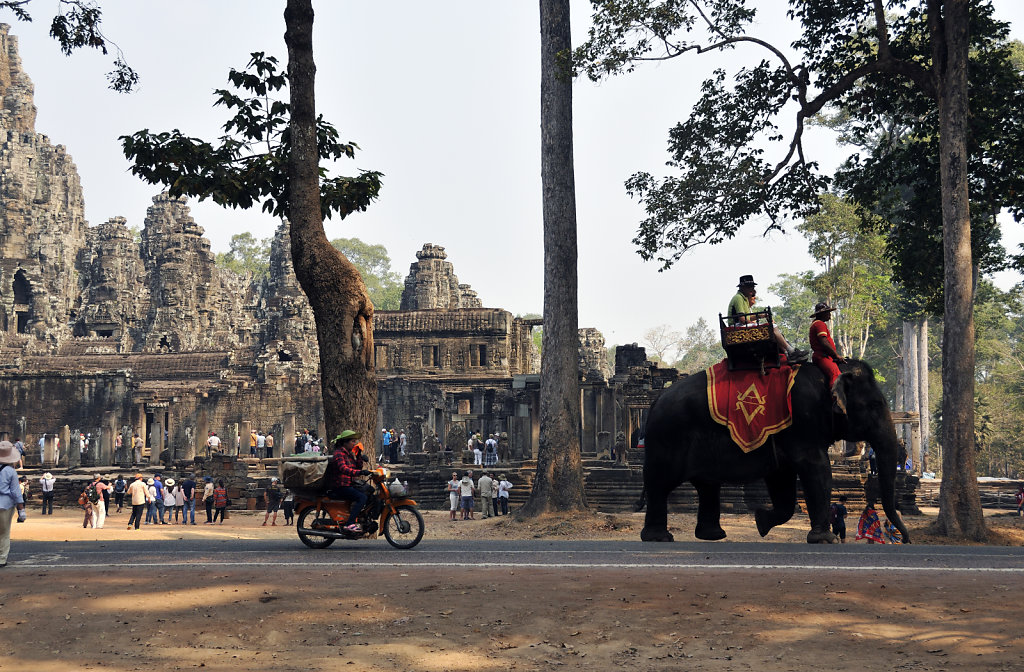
x: 910, y: 387
x: 959, y: 505
x: 922, y: 381
x: 337, y: 295
x: 559, y: 482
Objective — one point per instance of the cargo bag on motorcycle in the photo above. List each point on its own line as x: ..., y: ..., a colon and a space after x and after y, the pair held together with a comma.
x: 299, y: 472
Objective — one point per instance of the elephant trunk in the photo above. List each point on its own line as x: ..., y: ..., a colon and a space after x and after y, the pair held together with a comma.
x: 886, y: 449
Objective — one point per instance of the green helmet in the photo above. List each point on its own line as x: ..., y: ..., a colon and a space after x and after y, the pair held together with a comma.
x: 347, y: 434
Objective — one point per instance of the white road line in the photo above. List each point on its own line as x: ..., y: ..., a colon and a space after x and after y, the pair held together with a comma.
x: 521, y: 565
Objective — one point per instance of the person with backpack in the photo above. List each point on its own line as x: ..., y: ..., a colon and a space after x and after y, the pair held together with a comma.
x: 10, y: 498
x: 837, y: 518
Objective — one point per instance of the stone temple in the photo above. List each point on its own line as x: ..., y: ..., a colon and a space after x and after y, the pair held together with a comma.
x: 107, y: 331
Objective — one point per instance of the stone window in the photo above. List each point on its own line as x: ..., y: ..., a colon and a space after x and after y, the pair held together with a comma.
x: 22, y: 289
x: 478, y: 355
x: 429, y: 356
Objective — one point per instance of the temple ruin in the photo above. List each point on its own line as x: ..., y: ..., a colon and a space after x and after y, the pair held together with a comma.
x: 110, y: 330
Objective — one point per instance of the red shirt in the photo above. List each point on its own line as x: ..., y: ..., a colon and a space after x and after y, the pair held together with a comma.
x: 819, y: 332
x: 344, y: 467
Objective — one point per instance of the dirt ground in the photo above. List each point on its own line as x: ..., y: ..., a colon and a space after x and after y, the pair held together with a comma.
x: 391, y: 618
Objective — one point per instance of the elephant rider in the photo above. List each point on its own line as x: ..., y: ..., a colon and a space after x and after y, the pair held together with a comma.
x: 346, y: 463
x: 743, y: 302
x: 826, y: 356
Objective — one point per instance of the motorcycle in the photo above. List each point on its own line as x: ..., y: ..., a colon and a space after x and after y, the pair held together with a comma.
x: 320, y: 520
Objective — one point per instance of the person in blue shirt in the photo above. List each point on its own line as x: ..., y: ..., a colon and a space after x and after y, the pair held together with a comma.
x: 10, y: 497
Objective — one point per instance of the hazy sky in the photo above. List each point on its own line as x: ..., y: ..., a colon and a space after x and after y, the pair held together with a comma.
x: 443, y: 98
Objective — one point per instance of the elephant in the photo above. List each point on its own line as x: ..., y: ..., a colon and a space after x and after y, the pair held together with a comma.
x: 683, y: 443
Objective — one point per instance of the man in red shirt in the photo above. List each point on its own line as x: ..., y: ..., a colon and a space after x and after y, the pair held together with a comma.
x: 825, y: 355
x: 345, y: 465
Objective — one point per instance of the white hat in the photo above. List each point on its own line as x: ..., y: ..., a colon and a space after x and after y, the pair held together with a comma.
x: 273, y: 479
x: 169, y: 482
x: 8, y: 455
x: 48, y: 476
x: 150, y: 482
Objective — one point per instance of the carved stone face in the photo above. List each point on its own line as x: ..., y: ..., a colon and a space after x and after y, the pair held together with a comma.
x: 171, y: 293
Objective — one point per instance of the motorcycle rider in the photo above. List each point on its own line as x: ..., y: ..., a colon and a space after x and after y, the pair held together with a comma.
x: 345, y: 464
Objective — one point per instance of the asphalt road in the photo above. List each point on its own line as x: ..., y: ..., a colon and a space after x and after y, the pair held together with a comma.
x: 517, y: 554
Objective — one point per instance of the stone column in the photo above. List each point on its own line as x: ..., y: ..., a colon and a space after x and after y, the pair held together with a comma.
x: 74, y: 452
x: 105, y: 452
x: 49, y: 450
x: 141, y: 428
x: 202, y: 433
x: 287, y: 436
x: 65, y: 445
x: 243, y: 444
x: 171, y: 444
x: 156, y: 442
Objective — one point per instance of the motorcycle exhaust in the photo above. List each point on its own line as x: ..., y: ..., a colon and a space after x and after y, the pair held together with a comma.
x: 325, y: 533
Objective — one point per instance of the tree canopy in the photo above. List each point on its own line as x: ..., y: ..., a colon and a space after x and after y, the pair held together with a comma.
x: 246, y: 165
x: 374, y: 264
x: 247, y: 255
x: 77, y: 25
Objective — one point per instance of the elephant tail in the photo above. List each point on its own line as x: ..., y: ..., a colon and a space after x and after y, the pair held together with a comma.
x: 642, y: 502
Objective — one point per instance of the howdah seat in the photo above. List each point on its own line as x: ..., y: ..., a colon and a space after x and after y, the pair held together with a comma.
x: 750, y: 346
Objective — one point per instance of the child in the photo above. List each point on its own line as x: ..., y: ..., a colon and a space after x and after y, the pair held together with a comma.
x: 289, y: 515
x: 837, y: 517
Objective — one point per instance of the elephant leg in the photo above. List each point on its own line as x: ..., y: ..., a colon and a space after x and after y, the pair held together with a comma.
x: 816, y: 479
x: 782, y: 490
x: 656, y: 519
x: 709, y: 511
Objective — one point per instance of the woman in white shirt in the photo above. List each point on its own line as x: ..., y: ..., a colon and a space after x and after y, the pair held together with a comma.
x: 453, y: 493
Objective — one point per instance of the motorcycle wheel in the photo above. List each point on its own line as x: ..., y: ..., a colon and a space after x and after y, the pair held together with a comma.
x: 307, y: 520
x: 405, y: 528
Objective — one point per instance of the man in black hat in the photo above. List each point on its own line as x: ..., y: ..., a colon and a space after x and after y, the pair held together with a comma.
x: 743, y: 302
x: 826, y: 356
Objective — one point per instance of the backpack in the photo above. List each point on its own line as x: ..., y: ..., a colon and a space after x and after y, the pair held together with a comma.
x: 833, y: 513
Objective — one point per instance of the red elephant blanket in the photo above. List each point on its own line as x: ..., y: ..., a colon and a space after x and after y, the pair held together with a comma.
x: 752, y: 406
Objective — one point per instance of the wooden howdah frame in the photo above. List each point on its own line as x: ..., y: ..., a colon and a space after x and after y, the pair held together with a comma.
x: 750, y: 346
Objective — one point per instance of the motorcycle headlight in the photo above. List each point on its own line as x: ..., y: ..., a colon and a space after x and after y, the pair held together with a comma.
x: 386, y: 472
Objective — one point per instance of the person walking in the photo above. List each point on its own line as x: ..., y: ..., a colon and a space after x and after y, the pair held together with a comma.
x: 272, y: 497
x: 503, y: 487
x: 1020, y: 501
x: 174, y: 499
x: 453, y: 493
x: 466, y: 490
x: 46, y: 485
x: 11, y: 501
x: 188, y: 489
x: 287, y: 506
x: 161, y: 501
x: 220, y: 501
x: 85, y: 501
x: 486, y: 493
x: 138, y: 496
x: 99, y: 505
x: 837, y: 518
x: 269, y: 444
x: 474, y: 444
x: 120, y: 486
x: 151, y: 518
x: 208, y: 499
